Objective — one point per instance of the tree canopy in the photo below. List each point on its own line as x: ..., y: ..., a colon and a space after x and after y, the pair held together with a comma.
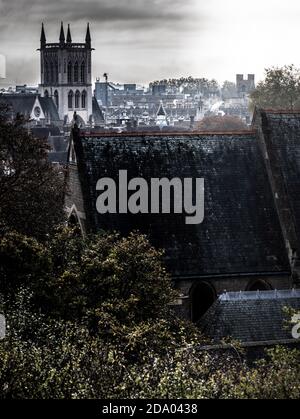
x: 279, y: 90
x: 31, y: 189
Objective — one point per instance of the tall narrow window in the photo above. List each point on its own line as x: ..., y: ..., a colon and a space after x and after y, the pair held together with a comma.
x: 70, y: 72
x: 46, y: 73
x: 70, y: 100
x: 82, y: 72
x: 56, y: 98
x: 56, y: 72
x: 76, y: 72
x: 77, y: 99
x: 46, y: 93
x: 83, y: 100
x: 90, y: 65
x: 51, y: 72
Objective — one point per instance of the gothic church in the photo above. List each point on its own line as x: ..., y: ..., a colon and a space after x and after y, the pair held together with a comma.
x: 66, y: 76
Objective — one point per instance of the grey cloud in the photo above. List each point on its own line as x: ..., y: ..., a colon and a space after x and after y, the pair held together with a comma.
x: 151, y: 29
x: 97, y: 11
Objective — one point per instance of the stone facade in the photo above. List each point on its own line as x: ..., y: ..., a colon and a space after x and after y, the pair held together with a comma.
x: 245, y: 86
x: 66, y: 76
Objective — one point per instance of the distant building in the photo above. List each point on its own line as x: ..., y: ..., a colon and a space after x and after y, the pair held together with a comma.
x: 159, y: 89
x: 42, y: 119
x: 130, y: 88
x: 26, y: 89
x: 66, y: 76
x: 40, y: 111
x: 161, y: 117
x: 245, y: 86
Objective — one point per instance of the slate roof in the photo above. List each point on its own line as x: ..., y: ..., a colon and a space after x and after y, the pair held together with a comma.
x: 282, y: 133
x: 161, y: 110
x: 240, y: 232
x: 49, y: 108
x: 58, y: 143
x: 97, y: 113
x: 251, y: 317
x: 45, y: 132
x: 23, y: 104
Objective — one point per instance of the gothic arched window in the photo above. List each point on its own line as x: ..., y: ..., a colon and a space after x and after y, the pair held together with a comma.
x: 69, y: 72
x: 259, y: 285
x: 82, y: 72
x: 56, y: 98
x: 76, y: 72
x: 46, y: 72
x: 203, y: 296
x: 83, y: 100
x: 51, y: 72
x: 77, y: 99
x: 56, y: 72
x: 46, y: 93
x: 70, y: 99
x: 90, y: 65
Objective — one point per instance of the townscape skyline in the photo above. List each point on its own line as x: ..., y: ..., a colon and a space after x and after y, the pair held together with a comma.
x: 165, y: 39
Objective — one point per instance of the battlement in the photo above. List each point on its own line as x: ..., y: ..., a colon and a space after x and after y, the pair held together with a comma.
x: 245, y: 86
x: 65, y: 46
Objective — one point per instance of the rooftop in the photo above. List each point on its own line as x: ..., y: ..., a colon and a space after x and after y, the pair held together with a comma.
x: 241, y: 232
x: 253, y: 317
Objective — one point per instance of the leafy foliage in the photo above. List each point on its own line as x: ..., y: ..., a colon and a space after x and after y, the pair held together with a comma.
x: 31, y: 189
x: 44, y: 358
x: 279, y: 90
x: 190, y: 85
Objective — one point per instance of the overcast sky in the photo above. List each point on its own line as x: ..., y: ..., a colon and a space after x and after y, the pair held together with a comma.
x: 144, y: 40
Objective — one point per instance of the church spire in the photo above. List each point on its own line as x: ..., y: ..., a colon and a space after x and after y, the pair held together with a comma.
x: 62, y: 34
x: 88, y: 40
x: 69, y: 38
x: 43, y: 37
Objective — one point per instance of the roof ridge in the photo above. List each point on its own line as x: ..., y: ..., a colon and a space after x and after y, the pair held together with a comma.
x: 281, y: 111
x: 167, y: 133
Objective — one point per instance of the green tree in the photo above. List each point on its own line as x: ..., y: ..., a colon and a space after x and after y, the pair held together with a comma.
x: 31, y: 189
x: 116, y: 281
x: 24, y: 262
x: 279, y: 90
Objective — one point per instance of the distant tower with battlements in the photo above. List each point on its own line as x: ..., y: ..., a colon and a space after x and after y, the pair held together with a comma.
x: 66, y: 75
x: 245, y: 86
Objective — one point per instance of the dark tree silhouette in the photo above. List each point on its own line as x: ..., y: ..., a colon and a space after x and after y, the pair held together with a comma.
x: 31, y: 189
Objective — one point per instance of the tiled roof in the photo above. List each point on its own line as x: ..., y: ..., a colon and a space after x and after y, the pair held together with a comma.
x: 45, y: 132
x: 282, y: 133
x: 251, y: 317
x: 97, y: 113
x: 49, y: 108
x: 23, y: 104
x: 240, y: 232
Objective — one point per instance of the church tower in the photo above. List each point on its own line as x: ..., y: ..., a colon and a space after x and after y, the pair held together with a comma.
x: 66, y: 75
